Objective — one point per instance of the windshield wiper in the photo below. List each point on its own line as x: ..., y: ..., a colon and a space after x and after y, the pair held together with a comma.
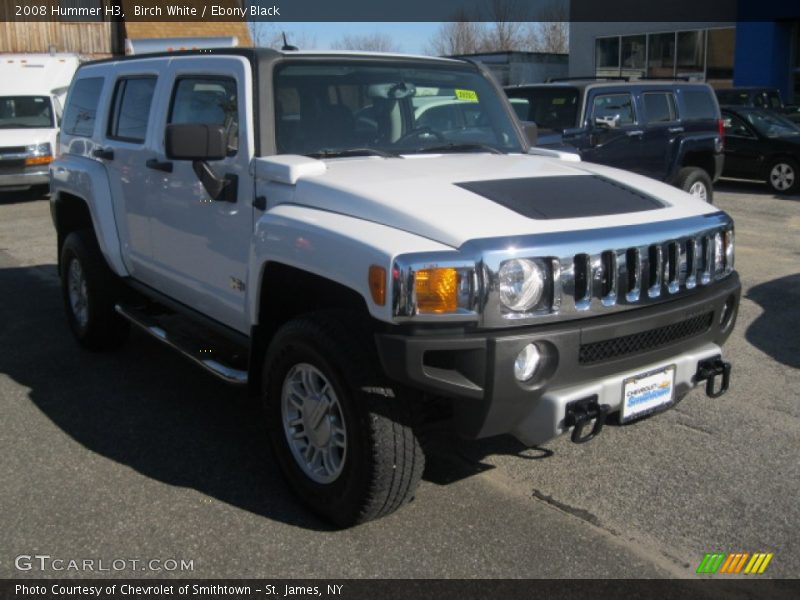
x: 458, y: 148
x: 329, y: 153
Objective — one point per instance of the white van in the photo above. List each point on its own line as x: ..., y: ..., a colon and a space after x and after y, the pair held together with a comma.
x: 33, y: 88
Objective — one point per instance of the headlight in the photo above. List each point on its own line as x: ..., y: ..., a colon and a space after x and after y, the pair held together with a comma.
x: 39, y: 149
x: 521, y: 284
x: 38, y: 154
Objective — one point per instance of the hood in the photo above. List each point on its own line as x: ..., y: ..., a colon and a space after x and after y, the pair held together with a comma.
x: 460, y: 197
x: 26, y: 137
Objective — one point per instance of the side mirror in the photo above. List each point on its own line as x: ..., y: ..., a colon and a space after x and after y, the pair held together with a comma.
x: 609, y: 122
x: 196, y: 141
x: 531, y: 132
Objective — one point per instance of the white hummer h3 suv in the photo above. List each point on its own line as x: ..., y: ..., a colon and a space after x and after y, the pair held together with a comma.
x: 369, y: 240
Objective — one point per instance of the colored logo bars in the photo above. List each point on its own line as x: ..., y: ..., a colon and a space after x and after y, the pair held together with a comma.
x: 735, y: 563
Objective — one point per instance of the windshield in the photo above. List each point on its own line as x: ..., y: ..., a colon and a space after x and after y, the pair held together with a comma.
x: 549, y: 108
x: 351, y: 107
x: 772, y: 125
x: 25, y: 112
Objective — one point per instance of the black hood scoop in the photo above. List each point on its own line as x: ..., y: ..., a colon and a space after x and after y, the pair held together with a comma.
x: 564, y: 197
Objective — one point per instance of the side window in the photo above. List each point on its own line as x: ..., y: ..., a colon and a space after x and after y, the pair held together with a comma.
x: 614, y: 109
x: 131, y: 109
x: 208, y: 101
x: 81, y: 109
x: 659, y: 107
x: 698, y: 105
x: 735, y: 126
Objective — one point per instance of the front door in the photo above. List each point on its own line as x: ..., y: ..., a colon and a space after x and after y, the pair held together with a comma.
x: 201, y: 245
x: 743, y: 157
x: 615, y: 136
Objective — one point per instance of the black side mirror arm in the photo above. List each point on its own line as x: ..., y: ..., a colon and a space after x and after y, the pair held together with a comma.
x: 222, y: 190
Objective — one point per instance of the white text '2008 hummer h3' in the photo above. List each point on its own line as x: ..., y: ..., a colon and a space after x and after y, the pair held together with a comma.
x: 370, y: 240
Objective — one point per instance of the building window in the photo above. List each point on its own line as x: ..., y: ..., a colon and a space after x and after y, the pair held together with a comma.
x: 606, y: 56
x: 81, y: 10
x: 661, y: 55
x: 691, y: 54
x: 721, y: 48
x: 634, y: 48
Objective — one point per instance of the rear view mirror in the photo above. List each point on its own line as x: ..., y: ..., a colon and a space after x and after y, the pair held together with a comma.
x: 196, y: 141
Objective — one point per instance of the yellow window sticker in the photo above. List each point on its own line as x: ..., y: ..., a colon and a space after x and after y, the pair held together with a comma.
x: 467, y: 95
x: 559, y: 101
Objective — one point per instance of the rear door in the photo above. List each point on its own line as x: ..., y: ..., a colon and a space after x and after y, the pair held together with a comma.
x: 125, y: 137
x: 615, y: 134
x: 661, y: 130
x: 201, y: 245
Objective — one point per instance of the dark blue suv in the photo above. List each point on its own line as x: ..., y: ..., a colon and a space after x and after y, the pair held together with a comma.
x: 668, y: 130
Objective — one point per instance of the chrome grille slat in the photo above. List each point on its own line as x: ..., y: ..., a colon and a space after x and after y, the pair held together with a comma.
x: 656, y: 255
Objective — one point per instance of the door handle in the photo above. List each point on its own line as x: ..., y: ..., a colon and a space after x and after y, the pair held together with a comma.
x: 675, y: 129
x: 104, y: 153
x: 159, y: 165
x: 635, y: 133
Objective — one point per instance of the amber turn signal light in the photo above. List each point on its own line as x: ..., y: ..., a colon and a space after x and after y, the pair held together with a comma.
x: 38, y: 160
x: 377, y: 284
x: 437, y: 290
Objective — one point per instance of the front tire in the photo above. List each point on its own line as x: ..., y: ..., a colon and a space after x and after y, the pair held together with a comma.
x: 342, y: 436
x: 89, y: 289
x: 783, y: 176
x: 696, y: 182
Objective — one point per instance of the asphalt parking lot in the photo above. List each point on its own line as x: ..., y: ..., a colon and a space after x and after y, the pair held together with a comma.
x: 139, y: 455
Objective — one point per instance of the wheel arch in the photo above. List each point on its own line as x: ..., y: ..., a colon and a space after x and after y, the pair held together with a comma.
x: 80, y: 189
x: 286, y: 292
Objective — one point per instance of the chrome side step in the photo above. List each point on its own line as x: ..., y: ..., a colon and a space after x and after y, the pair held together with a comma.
x: 215, y: 367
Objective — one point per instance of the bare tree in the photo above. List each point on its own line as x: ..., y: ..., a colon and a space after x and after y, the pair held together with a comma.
x: 506, y: 32
x: 375, y: 42
x: 461, y: 36
x: 551, y: 32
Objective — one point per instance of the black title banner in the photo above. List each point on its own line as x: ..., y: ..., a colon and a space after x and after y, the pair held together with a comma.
x: 185, y: 589
x: 407, y: 10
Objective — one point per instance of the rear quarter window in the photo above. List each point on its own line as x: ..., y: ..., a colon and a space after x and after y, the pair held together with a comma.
x: 698, y: 105
x: 81, y: 111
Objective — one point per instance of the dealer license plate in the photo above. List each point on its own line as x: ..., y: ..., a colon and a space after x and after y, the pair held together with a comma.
x: 647, y: 392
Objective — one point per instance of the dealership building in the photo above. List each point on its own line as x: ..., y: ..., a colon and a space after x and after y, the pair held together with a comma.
x: 744, y: 52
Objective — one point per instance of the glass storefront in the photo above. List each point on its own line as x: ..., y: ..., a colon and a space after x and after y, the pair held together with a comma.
x: 703, y: 54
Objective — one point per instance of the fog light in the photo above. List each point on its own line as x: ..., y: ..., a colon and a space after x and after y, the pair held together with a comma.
x: 527, y: 362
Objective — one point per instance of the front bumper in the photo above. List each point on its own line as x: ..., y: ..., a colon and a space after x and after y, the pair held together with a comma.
x: 582, y: 357
x: 24, y: 179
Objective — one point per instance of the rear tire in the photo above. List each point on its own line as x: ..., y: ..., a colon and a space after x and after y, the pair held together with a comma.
x: 356, y: 458
x: 695, y: 181
x: 783, y: 176
x: 90, y: 290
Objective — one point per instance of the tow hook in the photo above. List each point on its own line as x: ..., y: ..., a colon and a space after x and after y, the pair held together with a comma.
x: 708, y: 370
x: 581, y: 412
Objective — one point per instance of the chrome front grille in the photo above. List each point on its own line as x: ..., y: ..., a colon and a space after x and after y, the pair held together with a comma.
x: 635, y: 274
x: 599, y: 271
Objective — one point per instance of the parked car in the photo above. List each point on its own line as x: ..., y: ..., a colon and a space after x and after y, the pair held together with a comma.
x: 759, y: 97
x: 762, y: 145
x: 670, y: 131
x: 286, y: 222
x: 32, y: 91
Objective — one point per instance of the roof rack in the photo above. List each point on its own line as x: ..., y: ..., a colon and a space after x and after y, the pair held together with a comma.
x: 588, y: 78
x: 676, y: 78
